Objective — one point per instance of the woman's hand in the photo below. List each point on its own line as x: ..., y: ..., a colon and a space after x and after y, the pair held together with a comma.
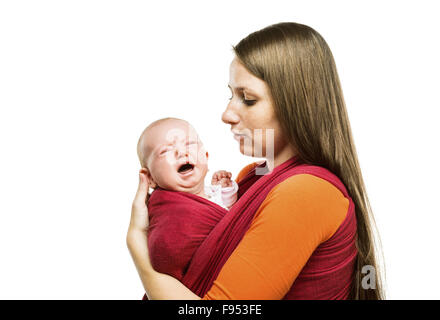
x: 157, y: 285
x: 137, y: 230
x: 139, y: 212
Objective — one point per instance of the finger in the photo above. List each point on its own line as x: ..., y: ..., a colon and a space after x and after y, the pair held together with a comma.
x: 227, y: 184
x: 141, y: 194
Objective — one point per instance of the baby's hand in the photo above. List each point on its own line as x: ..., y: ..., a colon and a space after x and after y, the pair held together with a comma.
x: 223, y: 178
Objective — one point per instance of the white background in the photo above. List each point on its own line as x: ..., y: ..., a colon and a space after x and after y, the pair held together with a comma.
x: 79, y: 80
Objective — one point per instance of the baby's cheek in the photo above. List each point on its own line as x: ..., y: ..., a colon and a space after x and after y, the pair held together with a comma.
x: 201, y: 157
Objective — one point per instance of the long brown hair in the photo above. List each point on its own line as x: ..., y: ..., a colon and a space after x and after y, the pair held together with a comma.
x: 297, y: 65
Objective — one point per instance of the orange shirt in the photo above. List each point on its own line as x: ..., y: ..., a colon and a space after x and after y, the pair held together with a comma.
x: 295, y: 218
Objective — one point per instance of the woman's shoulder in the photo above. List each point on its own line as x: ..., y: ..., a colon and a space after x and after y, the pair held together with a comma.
x: 243, y: 172
x: 308, y: 184
x: 308, y: 199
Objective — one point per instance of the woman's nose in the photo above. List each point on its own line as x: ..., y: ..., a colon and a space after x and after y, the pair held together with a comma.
x: 229, y: 116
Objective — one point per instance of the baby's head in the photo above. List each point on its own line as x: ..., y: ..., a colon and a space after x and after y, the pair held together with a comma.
x: 172, y: 156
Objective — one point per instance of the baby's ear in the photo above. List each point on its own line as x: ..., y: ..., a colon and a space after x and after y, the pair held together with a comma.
x: 207, y: 155
x: 151, y: 183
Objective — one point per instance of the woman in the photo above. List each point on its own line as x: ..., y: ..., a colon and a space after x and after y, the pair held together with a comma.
x: 311, y: 236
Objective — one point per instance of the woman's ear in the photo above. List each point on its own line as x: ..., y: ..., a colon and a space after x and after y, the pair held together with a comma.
x: 151, y: 183
x: 207, y: 155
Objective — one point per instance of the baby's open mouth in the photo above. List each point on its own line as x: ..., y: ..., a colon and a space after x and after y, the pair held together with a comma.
x: 185, y: 168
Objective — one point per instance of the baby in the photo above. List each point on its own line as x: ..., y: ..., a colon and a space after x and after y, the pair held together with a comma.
x: 173, y: 158
x: 182, y: 210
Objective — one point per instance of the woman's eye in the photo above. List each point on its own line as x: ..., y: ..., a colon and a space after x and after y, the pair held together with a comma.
x: 249, y: 102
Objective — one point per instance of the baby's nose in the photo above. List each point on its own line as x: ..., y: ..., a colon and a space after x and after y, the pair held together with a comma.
x: 181, y: 152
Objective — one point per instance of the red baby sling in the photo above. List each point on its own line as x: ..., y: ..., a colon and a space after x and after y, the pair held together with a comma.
x: 215, y: 232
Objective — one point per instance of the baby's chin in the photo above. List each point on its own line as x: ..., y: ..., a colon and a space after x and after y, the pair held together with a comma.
x: 194, y: 188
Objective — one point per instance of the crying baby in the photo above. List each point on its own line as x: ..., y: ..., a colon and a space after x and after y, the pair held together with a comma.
x: 173, y: 158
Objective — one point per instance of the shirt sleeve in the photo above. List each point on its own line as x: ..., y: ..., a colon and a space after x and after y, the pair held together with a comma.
x: 229, y: 194
x: 297, y: 215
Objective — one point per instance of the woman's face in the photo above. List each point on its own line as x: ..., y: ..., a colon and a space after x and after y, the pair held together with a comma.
x: 252, y: 118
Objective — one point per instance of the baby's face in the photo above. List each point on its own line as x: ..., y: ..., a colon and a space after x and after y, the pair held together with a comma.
x: 177, y: 159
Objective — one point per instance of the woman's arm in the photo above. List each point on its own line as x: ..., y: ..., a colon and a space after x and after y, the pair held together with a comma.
x: 157, y: 285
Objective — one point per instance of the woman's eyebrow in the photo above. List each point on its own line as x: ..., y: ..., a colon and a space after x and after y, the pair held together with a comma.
x: 241, y: 88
